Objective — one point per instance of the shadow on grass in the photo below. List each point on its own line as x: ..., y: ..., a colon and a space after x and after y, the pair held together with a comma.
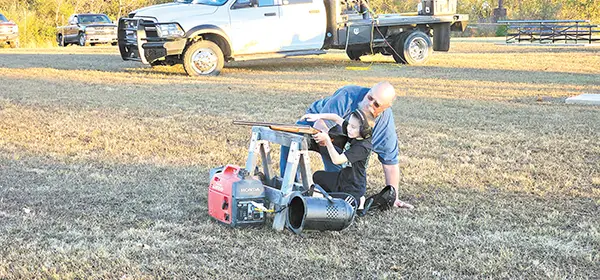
x: 519, y: 49
x: 498, y: 75
x: 319, y: 69
x: 99, y: 62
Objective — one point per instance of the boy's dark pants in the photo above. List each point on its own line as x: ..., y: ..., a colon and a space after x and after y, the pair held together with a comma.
x: 329, y: 182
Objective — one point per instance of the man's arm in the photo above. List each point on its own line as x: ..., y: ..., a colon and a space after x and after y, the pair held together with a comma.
x: 339, y: 103
x: 392, y: 177
x: 325, y: 116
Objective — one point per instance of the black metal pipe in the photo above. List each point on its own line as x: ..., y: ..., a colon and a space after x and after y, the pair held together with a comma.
x: 332, y: 10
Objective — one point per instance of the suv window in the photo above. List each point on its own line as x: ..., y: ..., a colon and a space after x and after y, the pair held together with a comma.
x: 93, y: 19
x: 242, y: 4
x: 205, y: 2
x: 3, y: 18
x: 264, y: 3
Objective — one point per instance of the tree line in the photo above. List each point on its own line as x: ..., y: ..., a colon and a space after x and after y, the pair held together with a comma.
x: 38, y: 19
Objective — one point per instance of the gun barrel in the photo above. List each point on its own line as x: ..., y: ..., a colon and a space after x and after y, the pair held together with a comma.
x: 256, y: 123
x: 269, y: 124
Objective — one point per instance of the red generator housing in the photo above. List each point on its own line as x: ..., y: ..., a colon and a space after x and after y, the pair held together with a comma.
x: 233, y: 196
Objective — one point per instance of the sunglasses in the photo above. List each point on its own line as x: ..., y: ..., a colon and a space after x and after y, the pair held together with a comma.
x: 371, y: 99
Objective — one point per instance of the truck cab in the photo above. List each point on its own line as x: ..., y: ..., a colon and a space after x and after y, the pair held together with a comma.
x: 9, y: 32
x: 204, y: 34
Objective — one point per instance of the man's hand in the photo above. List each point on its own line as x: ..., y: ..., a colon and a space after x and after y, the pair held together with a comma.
x: 311, y: 117
x: 401, y: 204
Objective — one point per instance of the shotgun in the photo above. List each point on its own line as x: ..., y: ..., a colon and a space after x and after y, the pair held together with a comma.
x: 294, y: 128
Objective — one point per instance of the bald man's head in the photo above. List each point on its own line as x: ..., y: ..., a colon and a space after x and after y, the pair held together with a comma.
x: 380, y: 97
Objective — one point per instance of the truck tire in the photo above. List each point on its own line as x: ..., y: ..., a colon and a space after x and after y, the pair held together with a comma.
x: 441, y: 37
x: 413, y: 48
x: 81, y: 40
x: 60, y: 40
x: 354, y: 54
x: 14, y: 44
x: 203, y: 58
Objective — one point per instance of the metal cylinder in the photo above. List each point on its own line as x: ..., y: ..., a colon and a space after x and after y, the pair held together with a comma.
x: 332, y: 10
x: 318, y: 213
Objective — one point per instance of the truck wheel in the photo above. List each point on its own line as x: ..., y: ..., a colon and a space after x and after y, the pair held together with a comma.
x: 413, y: 48
x: 81, y: 39
x: 61, y: 40
x: 354, y: 54
x: 441, y: 37
x: 203, y: 58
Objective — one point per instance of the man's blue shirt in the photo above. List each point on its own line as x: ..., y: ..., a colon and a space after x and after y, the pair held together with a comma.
x: 347, y: 99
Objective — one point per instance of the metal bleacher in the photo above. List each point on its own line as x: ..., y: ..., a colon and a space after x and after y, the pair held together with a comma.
x: 551, y: 31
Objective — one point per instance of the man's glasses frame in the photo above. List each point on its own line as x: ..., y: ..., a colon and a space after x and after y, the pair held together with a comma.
x: 371, y: 99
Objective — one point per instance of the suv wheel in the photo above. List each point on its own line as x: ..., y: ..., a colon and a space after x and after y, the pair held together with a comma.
x: 203, y: 58
x: 81, y: 39
x: 14, y: 44
x: 61, y: 40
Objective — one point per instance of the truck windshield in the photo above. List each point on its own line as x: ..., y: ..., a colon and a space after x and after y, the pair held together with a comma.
x: 2, y: 18
x: 204, y: 2
x: 85, y: 19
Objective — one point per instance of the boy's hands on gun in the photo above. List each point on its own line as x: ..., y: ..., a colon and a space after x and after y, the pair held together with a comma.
x: 322, y: 138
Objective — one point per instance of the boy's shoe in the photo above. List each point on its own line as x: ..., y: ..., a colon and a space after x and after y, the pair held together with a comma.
x: 367, y: 206
x: 361, y: 203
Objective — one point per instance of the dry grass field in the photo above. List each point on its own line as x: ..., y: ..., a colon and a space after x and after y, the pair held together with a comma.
x: 104, y: 166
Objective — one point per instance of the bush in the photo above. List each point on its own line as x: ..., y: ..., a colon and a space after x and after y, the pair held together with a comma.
x: 501, y: 30
x: 481, y: 30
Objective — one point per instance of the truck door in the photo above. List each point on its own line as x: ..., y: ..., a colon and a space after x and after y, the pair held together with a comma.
x: 255, y: 26
x: 73, y: 29
x: 303, y: 23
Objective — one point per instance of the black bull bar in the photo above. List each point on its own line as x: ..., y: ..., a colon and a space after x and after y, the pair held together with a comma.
x: 139, y: 41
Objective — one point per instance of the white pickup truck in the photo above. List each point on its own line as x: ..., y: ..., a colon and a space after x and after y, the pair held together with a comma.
x: 204, y: 34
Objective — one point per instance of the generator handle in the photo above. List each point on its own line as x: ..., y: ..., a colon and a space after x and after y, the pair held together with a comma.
x: 323, y: 192
x: 231, y: 169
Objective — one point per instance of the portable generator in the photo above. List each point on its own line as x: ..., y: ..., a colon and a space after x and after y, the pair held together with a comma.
x: 235, y: 198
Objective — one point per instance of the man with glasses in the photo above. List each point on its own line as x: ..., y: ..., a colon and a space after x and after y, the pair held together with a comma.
x: 378, y: 101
